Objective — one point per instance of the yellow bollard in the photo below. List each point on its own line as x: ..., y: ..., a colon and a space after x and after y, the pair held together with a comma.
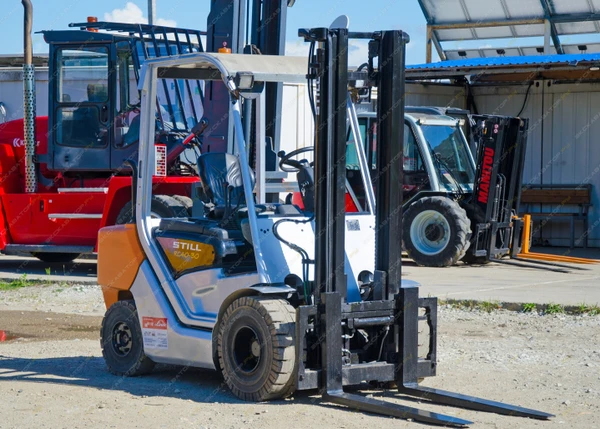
x: 526, y: 242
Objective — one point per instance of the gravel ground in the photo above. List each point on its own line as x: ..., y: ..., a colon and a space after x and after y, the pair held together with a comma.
x: 53, y: 375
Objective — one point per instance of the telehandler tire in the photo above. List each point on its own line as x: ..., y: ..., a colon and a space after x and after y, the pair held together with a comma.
x: 122, y: 342
x: 256, y: 347
x: 56, y: 258
x: 436, y: 232
x: 162, y: 206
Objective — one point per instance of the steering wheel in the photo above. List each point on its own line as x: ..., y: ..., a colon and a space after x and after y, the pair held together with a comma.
x: 286, y: 162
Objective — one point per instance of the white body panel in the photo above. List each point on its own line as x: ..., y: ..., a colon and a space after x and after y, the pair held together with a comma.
x: 185, y: 346
x: 203, y: 293
x: 281, y: 260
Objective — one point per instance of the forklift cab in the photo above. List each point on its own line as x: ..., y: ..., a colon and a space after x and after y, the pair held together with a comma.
x: 436, y: 155
x: 92, y: 103
x: 94, y: 100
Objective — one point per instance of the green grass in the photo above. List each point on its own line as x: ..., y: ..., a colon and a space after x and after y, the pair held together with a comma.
x: 554, y: 309
x: 530, y: 307
x: 489, y: 306
x: 48, y: 271
x: 19, y: 283
x: 592, y: 310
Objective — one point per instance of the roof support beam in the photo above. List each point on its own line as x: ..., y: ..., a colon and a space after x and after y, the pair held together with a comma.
x: 482, y: 24
x: 432, y: 40
x: 553, y: 33
x: 556, y: 19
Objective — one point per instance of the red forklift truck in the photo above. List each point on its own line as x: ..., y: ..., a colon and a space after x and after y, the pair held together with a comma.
x: 65, y: 176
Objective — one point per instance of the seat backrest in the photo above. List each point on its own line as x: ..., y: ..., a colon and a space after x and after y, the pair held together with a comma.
x: 217, y: 172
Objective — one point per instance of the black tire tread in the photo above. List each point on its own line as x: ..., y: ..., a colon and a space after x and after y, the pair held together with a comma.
x: 163, y: 205
x: 144, y: 364
x: 280, y: 316
x: 458, y: 219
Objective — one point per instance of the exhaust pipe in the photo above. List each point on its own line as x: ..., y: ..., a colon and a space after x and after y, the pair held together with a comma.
x: 29, y: 100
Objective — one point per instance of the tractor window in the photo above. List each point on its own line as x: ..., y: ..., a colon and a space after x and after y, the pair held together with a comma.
x: 80, y: 126
x: 82, y: 75
x: 128, y: 94
x: 82, y: 82
x: 126, y: 125
x: 412, y: 160
x: 449, y: 152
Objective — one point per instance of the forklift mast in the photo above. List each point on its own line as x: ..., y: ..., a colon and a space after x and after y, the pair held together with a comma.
x: 497, y: 187
x: 394, y: 305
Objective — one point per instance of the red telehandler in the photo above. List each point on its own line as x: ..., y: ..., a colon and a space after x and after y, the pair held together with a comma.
x: 65, y: 176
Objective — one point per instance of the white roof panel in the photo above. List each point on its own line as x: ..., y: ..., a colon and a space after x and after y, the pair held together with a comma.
x: 562, y: 7
x: 567, y: 17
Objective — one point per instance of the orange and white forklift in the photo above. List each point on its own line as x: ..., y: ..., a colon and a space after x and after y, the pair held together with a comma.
x: 276, y: 298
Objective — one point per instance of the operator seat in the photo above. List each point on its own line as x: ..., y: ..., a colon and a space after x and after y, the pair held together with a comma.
x: 222, y: 187
x: 86, y: 119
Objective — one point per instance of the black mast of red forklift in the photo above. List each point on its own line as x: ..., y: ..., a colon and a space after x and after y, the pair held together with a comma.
x: 395, y: 303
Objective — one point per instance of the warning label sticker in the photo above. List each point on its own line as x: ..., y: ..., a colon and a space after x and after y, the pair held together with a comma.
x: 154, y: 331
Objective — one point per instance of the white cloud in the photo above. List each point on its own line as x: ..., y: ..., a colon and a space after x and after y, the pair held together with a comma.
x: 357, y: 51
x: 297, y: 48
x: 131, y: 13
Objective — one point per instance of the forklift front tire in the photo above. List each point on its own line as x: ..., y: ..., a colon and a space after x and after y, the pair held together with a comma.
x: 121, y: 341
x: 256, y: 347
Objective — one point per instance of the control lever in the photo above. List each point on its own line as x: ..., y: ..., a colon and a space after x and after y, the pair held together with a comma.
x: 197, y: 130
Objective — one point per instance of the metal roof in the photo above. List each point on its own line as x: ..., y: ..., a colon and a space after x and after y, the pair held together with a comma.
x: 467, y: 20
x: 540, y: 60
x: 488, y: 52
x: 502, y: 65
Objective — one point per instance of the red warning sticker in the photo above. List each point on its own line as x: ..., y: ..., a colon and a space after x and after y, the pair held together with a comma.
x: 155, y: 333
x: 154, y: 323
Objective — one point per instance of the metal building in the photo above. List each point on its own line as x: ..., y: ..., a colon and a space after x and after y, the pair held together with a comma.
x: 560, y: 94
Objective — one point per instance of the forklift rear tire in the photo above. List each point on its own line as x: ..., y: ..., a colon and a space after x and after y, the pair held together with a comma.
x: 436, y: 232
x: 56, y: 258
x: 256, y: 347
x: 122, y: 342
x: 162, y: 206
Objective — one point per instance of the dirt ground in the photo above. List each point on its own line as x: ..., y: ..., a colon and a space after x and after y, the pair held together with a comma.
x: 52, y: 374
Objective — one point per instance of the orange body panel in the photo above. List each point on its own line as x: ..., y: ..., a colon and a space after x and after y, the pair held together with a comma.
x: 120, y: 255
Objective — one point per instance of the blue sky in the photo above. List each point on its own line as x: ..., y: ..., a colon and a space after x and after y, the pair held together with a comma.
x: 370, y: 15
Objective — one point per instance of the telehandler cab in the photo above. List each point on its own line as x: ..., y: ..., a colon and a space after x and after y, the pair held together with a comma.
x: 275, y: 298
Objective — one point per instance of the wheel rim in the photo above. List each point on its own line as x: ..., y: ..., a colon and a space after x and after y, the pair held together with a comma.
x: 246, y: 350
x: 154, y: 215
x: 430, y: 232
x: 121, y: 339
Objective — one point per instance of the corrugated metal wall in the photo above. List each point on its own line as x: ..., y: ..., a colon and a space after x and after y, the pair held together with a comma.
x: 435, y: 95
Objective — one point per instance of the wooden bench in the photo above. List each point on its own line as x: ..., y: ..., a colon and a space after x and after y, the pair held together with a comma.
x: 577, y: 197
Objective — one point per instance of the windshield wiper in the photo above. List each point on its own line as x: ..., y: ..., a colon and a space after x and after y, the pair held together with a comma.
x: 442, y: 163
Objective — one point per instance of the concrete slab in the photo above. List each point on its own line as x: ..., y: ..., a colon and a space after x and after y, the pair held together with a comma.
x: 505, y: 283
